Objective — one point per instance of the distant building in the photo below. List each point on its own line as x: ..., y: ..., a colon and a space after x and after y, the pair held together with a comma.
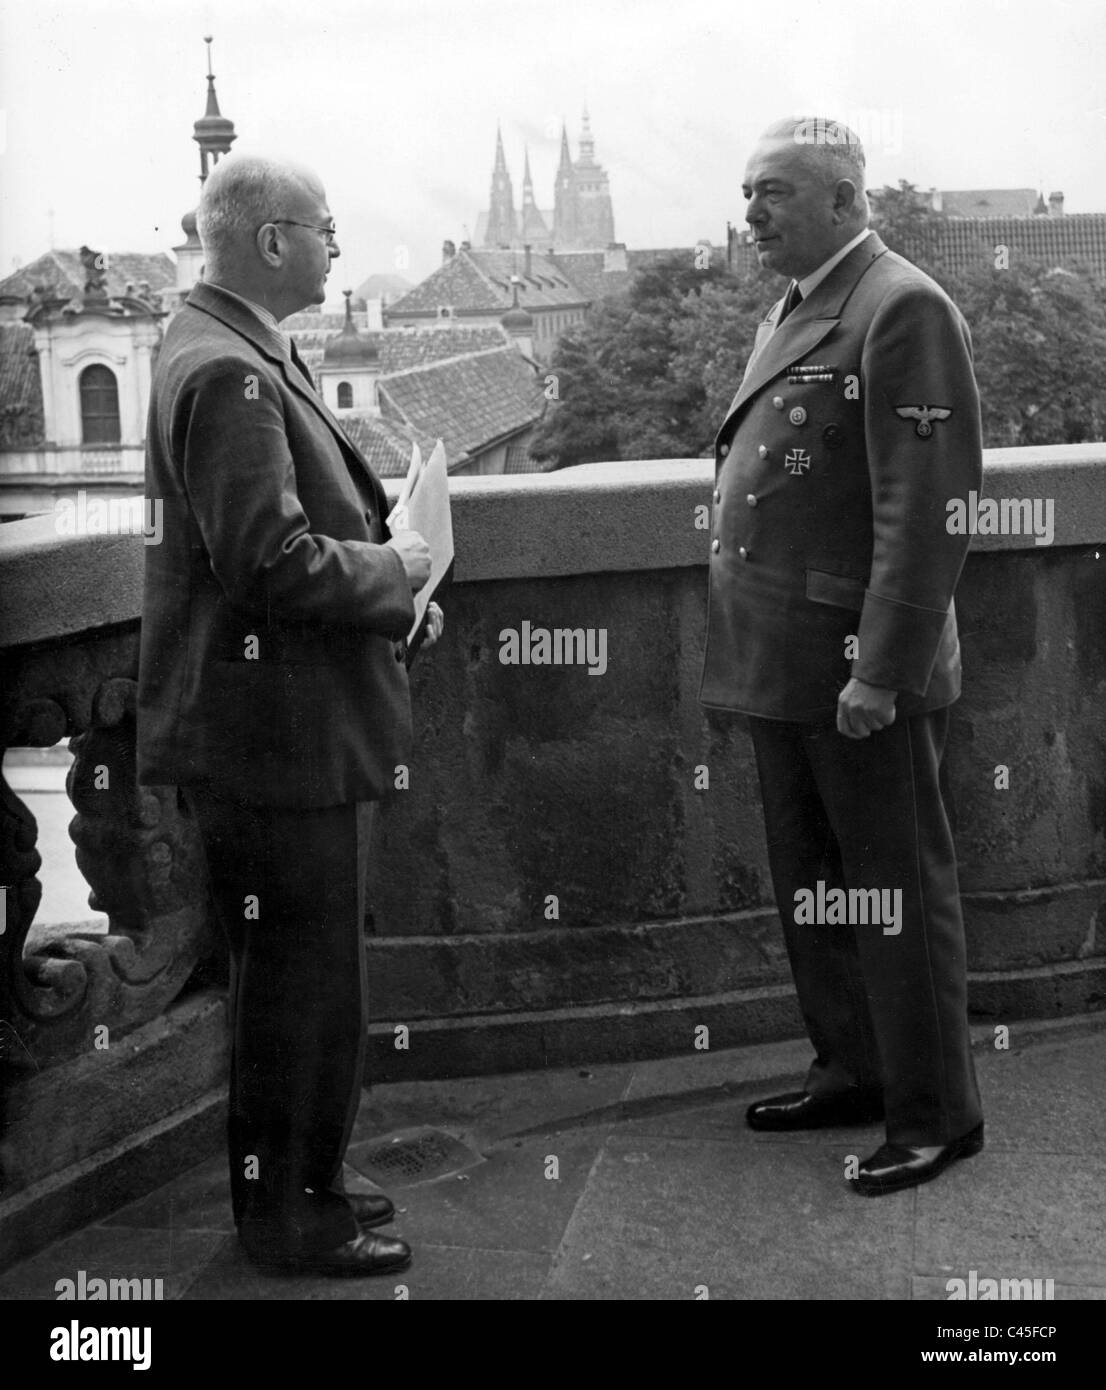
x: 78, y: 335
x: 475, y: 388
x: 555, y: 290
x: 581, y: 218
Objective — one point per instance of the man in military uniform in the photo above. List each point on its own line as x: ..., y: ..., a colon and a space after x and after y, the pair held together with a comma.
x: 831, y: 624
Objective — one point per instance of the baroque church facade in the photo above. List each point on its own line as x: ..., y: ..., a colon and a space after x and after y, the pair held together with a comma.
x: 581, y: 218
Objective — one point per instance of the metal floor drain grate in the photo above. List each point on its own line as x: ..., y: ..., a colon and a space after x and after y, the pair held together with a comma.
x: 411, y: 1156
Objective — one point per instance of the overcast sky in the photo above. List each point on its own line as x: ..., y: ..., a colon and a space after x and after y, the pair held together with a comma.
x: 395, y: 102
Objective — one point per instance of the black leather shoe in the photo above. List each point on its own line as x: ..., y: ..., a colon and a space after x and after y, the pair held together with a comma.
x: 368, y: 1254
x: 800, y: 1110
x: 370, y: 1208
x: 895, y: 1166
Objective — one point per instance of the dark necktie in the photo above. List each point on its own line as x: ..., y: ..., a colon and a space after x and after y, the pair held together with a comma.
x: 298, y: 361
x: 793, y: 297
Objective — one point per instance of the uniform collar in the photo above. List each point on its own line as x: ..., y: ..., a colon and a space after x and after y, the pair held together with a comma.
x: 809, y: 283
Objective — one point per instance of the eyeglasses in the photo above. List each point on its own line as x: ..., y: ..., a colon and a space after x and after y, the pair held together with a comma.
x: 329, y: 233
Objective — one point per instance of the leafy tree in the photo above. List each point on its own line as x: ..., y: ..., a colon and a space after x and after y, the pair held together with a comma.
x: 1039, y: 335
x: 640, y: 378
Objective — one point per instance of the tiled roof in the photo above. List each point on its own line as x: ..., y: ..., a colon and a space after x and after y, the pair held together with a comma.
x: 385, y: 443
x: 21, y: 420
x: 62, y: 271
x: 1077, y: 236
x: 468, y: 402
x: 400, y: 348
x: 988, y: 202
x: 481, y: 280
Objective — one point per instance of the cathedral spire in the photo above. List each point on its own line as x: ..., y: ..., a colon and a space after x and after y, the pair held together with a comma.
x: 587, y: 143
x: 212, y: 132
x: 564, y: 169
x: 501, y: 229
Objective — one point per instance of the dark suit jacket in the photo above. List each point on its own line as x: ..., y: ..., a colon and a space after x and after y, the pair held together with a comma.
x: 830, y: 505
x: 272, y: 655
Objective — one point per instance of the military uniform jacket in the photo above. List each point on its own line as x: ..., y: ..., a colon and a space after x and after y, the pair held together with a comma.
x: 272, y: 664
x: 856, y: 423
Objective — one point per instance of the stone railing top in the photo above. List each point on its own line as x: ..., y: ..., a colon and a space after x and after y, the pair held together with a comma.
x: 596, y: 518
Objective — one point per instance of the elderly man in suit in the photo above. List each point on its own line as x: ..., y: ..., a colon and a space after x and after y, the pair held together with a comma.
x: 831, y: 625
x: 273, y: 693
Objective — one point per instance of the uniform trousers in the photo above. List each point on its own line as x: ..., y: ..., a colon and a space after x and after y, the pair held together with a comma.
x: 298, y: 1011
x: 887, y: 1013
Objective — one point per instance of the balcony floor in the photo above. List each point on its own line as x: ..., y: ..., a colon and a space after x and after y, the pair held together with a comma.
x: 661, y: 1189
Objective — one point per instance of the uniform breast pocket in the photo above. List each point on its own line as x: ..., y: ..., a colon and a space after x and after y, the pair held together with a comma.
x: 839, y: 590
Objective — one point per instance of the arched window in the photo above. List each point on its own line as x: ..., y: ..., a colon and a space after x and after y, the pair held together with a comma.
x: 99, y: 406
x: 345, y: 396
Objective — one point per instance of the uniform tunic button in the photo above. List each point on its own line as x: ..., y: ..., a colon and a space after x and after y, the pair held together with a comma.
x: 717, y: 496
x: 716, y: 546
x: 751, y: 498
x: 777, y: 401
x: 743, y: 552
x: 763, y: 451
x: 723, y: 450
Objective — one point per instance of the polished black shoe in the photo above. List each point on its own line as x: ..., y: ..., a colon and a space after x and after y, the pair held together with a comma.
x: 368, y: 1254
x: 370, y: 1208
x: 800, y: 1110
x: 897, y: 1166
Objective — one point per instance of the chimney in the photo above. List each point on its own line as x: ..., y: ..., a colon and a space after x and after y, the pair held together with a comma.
x: 527, y: 271
x: 614, y: 257
x: 448, y: 251
x: 1055, y: 205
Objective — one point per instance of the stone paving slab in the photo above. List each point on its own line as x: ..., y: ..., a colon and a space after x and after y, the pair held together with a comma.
x: 437, y: 1272
x: 1015, y: 1215
x: 507, y: 1203
x: 663, y: 1217
x: 176, y: 1257
x: 661, y: 1189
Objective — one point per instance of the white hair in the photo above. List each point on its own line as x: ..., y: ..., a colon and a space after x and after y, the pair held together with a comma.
x: 240, y: 195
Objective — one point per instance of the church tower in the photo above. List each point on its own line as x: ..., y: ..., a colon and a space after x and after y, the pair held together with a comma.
x: 214, y: 134
x: 501, y: 229
x: 594, y: 215
x: 564, y: 200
